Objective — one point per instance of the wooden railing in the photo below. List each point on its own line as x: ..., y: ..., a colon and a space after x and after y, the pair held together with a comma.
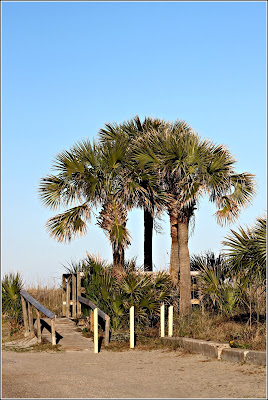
x: 71, y: 289
x: 101, y: 314
x: 28, y: 302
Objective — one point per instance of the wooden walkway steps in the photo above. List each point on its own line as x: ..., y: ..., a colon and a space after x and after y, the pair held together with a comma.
x: 67, y: 335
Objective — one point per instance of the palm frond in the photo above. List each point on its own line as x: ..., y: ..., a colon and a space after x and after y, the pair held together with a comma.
x: 246, y: 248
x: 70, y: 224
x: 56, y: 191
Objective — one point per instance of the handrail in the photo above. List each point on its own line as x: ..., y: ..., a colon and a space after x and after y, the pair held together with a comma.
x: 104, y: 316
x: 27, y: 302
x: 36, y: 304
x: 90, y: 304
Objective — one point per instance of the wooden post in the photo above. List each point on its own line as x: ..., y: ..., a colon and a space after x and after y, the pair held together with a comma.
x: 63, y: 296
x: 96, y: 336
x: 170, y: 321
x: 132, y: 328
x: 39, y: 337
x: 162, y: 320
x: 78, y: 294
x: 53, y: 333
x: 25, y: 317
x: 91, y: 321
x: 30, y: 313
x: 107, y: 330
x: 74, y: 298
x: 68, y: 295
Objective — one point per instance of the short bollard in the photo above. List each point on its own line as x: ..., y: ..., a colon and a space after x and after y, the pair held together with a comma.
x: 96, y: 336
x: 131, y: 324
x: 162, y: 320
x: 170, y: 321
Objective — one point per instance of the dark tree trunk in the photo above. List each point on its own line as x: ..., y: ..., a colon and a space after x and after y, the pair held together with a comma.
x: 148, y: 241
x: 184, y: 262
x: 118, y: 259
x: 174, y: 253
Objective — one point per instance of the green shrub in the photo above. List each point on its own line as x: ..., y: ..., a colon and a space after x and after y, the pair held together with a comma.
x: 11, y: 301
x: 230, y: 291
x: 114, y: 293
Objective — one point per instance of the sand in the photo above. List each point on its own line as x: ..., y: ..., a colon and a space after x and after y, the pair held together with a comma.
x: 127, y: 374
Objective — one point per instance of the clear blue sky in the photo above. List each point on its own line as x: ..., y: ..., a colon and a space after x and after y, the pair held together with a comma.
x: 69, y: 67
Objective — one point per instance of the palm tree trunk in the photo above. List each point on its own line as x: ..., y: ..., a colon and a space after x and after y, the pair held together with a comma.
x: 184, y: 262
x: 148, y: 240
x: 174, y: 253
x: 118, y: 259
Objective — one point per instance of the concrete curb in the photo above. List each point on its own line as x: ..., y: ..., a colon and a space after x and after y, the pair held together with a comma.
x: 219, y: 351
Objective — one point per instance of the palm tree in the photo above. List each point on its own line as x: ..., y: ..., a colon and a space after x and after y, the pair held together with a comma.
x: 189, y: 168
x: 142, y: 188
x: 87, y: 176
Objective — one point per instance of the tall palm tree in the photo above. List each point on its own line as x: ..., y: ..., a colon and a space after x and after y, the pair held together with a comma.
x: 87, y: 176
x: 189, y: 168
x: 142, y: 188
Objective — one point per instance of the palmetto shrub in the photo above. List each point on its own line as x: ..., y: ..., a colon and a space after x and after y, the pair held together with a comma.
x: 234, y: 282
x: 115, y: 292
x: 218, y: 289
x: 11, y: 302
x: 245, y: 252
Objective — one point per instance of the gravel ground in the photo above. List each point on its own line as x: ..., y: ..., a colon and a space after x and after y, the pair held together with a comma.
x: 127, y: 374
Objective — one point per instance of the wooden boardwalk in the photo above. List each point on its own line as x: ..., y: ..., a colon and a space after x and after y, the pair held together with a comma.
x: 68, y: 335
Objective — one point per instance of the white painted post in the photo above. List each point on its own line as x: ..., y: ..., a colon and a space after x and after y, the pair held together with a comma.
x: 162, y: 319
x: 96, y: 336
x: 131, y: 324
x: 170, y: 321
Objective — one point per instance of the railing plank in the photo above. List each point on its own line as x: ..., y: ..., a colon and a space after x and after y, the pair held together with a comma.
x: 89, y: 303
x: 36, y: 304
x: 78, y: 294
x: 38, y: 322
x: 74, y: 280
x: 25, y: 317
x: 30, y: 315
x: 107, y: 331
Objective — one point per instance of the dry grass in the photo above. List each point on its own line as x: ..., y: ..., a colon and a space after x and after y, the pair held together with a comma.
x: 50, y: 297
x: 197, y: 326
x: 222, y: 329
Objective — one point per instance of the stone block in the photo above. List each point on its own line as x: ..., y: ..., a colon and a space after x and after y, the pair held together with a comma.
x: 233, y: 355
x: 256, y: 357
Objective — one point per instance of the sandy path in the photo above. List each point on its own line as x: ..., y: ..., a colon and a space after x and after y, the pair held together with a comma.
x: 128, y: 374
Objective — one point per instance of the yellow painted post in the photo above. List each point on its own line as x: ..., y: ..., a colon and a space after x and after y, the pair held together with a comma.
x: 170, y: 321
x: 53, y: 332
x: 96, y: 336
x: 162, y: 320
x: 131, y: 324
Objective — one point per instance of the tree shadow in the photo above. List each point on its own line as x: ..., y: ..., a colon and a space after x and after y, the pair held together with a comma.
x: 100, y: 343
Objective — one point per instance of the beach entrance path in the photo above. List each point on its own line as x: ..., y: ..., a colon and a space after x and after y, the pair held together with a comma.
x: 127, y: 374
x: 68, y: 335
